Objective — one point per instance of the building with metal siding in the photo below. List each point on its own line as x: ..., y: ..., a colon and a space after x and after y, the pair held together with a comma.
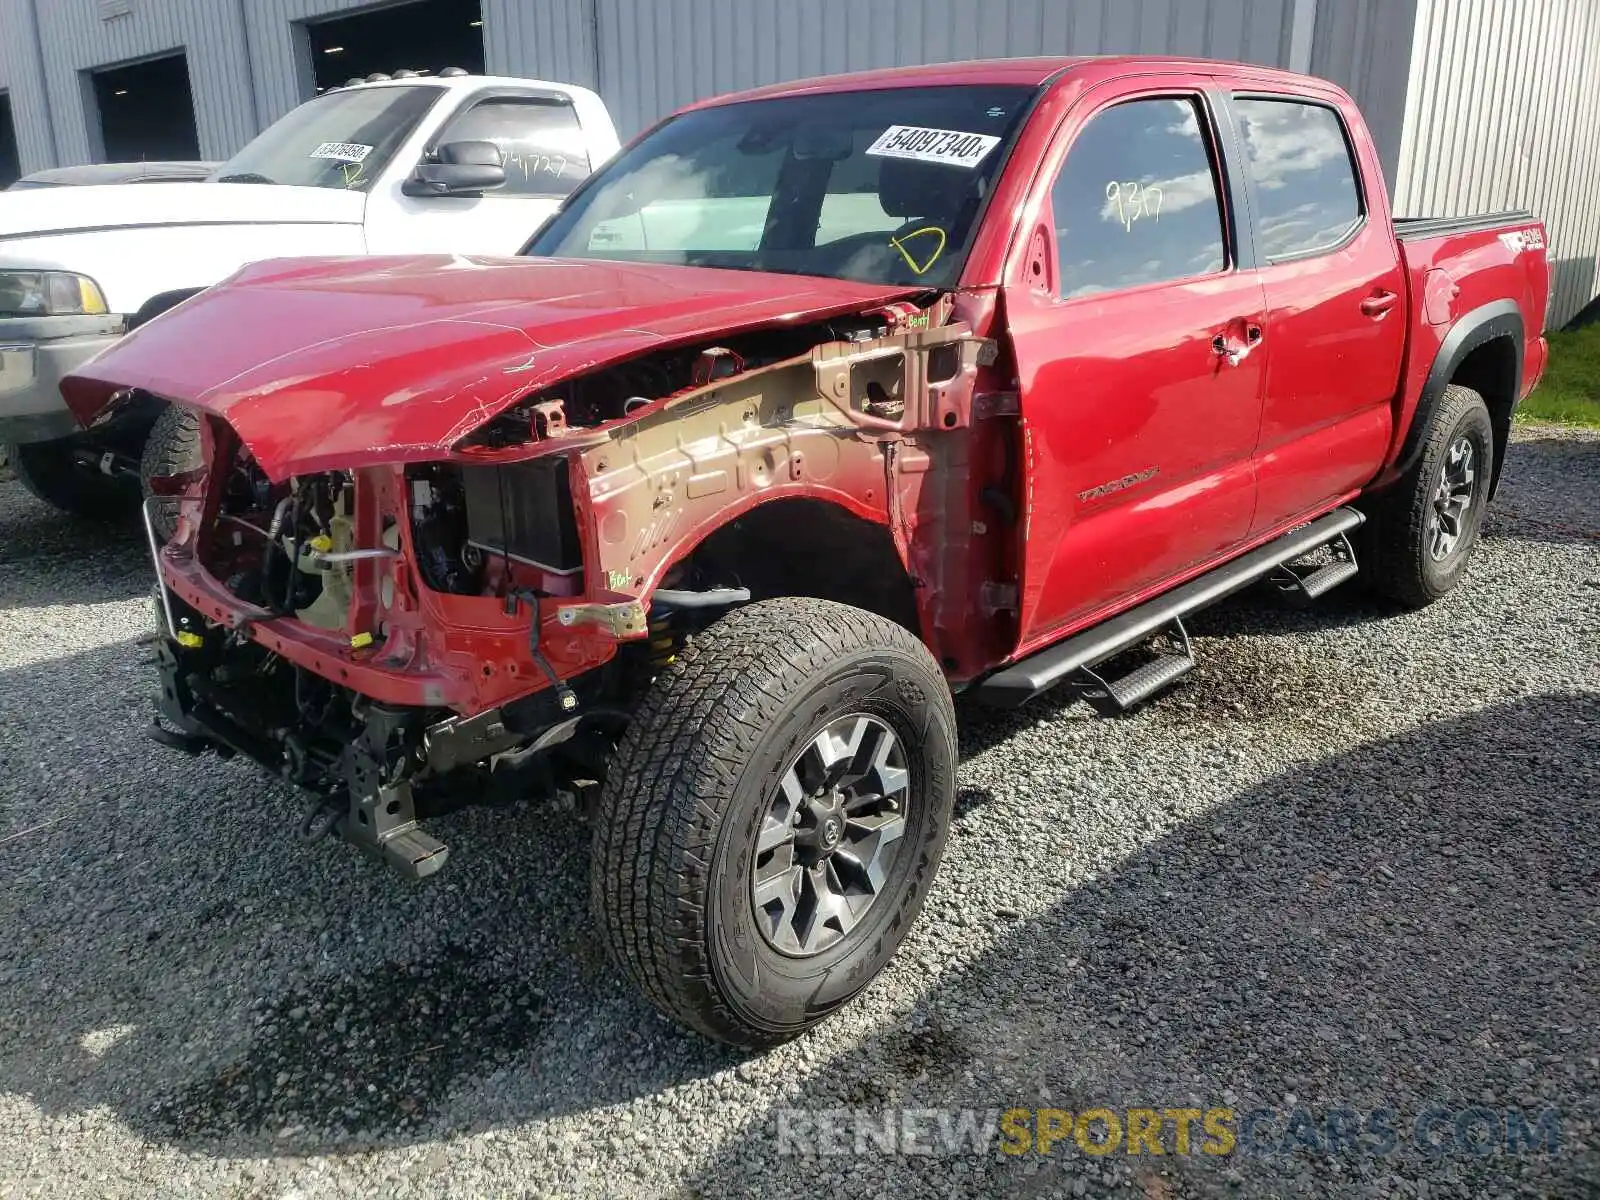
x: 655, y: 56
x: 1365, y: 47
x: 1502, y: 109
x: 22, y: 79
x: 1473, y: 102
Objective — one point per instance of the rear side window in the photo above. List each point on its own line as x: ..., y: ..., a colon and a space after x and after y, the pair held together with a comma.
x: 1306, y: 195
x: 541, y: 140
x: 1136, y: 200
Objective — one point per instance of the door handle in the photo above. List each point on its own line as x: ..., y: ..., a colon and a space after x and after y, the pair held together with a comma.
x: 1377, y: 304
x: 1236, y: 354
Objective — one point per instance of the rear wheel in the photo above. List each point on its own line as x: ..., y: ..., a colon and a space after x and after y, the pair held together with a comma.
x: 773, y: 818
x: 1422, y: 530
x: 52, y: 473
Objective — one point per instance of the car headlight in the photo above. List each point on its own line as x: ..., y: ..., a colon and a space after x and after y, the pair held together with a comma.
x: 49, y: 294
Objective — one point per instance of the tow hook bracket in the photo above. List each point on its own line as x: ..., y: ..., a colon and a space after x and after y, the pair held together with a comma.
x: 384, y: 824
x: 460, y: 740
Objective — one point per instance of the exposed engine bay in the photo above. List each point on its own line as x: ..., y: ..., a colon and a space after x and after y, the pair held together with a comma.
x: 289, y: 551
x: 476, y: 530
x: 399, y: 639
x: 619, y: 391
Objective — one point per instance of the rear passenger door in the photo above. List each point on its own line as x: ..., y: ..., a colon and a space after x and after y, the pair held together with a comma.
x: 1336, y: 305
x: 1135, y: 327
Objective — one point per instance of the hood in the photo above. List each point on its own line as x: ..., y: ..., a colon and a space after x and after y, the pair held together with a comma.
x: 339, y: 363
x: 43, y: 212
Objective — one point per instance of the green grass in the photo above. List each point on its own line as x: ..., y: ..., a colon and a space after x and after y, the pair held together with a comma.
x: 1570, y: 390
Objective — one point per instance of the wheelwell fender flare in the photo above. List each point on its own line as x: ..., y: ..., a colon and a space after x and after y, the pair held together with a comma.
x: 1497, y: 319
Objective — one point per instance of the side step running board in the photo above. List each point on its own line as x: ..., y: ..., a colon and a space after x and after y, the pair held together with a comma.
x: 1020, y: 682
x: 1119, y: 694
x: 1301, y: 585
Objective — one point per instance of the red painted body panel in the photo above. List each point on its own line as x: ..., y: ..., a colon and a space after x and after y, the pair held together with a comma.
x: 1480, y: 269
x: 368, y: 364
x: 1141, y: 442
x: 1340, y: 390
x: 339, y: 363
x: 1125, y: 386
x: 1333, y: 366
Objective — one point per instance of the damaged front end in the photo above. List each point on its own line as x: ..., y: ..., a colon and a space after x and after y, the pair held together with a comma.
x: 395, y: 641
x: 475, y: 622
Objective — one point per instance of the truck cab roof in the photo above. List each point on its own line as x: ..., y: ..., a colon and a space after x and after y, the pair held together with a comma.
x: 1026, y: 72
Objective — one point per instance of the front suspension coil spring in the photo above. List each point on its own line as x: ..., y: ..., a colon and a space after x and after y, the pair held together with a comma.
x: 663, y: 639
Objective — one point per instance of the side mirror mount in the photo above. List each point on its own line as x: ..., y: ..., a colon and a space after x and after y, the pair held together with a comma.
x: 459, y: 169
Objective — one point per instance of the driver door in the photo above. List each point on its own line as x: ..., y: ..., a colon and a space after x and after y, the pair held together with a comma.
x: 1138, y: 339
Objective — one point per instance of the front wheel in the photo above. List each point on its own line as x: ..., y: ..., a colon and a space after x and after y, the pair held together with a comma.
x: 1422, y: 530
x: 773, y: 818
x: 52, y: 472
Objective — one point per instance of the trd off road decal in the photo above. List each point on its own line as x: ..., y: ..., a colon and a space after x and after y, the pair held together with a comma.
x: 1523, y: 239
x: 951, y: 146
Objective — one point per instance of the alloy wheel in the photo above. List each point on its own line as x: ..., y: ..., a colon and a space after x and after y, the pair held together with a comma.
x: 1452, y: 499
x: 831, y: 835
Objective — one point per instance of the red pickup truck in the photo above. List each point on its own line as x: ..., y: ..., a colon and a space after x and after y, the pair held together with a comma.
x: 819, y: 404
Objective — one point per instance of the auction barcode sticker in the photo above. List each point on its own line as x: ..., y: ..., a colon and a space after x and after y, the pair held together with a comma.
x: 342, y: 151
x: 953, y: 146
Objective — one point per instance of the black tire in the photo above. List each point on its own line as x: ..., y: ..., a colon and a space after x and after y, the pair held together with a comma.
x: 691, y: 787
x: 172, y: 448
x: 52, y: 473
x: 1403, y: 535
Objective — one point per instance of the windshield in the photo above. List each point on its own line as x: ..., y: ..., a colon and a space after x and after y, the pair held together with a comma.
x: 339, y: 140
x: 879, y: 186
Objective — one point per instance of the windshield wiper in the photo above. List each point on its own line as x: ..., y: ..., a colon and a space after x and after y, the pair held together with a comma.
x: 245, y: 177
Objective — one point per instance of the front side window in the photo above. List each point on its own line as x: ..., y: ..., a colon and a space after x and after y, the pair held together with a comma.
x: 1136, y: 200
x: 1306, y: 197
x: 878, y: 186
x: 541, y: 142
x: 339, y: 140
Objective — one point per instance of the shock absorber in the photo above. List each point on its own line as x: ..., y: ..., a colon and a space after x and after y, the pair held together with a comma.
x: 669, y: 607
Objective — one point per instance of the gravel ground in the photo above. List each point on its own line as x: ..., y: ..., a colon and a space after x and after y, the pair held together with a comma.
x: 1350, y: 863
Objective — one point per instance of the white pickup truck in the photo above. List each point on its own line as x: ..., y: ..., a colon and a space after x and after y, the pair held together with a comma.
x: 466, y: 165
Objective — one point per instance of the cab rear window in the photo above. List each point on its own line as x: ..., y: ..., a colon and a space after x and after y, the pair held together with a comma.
x: 1303, y: 178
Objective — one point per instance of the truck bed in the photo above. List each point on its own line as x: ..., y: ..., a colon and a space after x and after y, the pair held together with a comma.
x: 1471, y: 279
x: 1410, y: 228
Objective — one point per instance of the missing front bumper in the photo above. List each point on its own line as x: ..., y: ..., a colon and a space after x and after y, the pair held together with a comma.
x: 367, y: 785
x: 375, y: 770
